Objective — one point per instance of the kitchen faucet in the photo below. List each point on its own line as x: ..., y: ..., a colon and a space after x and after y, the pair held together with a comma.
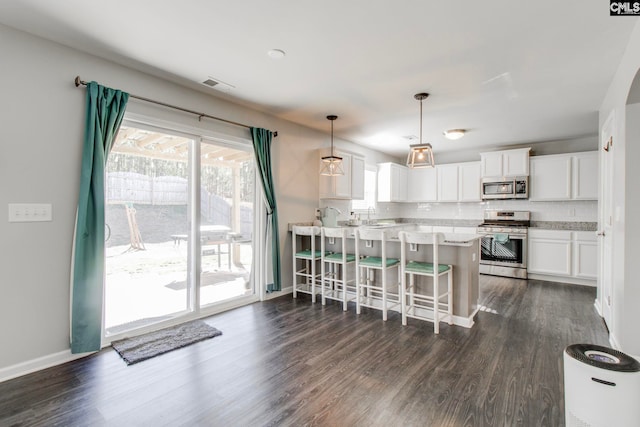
x: 369, y: 210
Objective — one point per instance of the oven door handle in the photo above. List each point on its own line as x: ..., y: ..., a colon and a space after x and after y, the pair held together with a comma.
x: 511, y: 236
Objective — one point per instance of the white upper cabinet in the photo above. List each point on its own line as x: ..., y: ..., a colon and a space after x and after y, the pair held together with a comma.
x: 572, y: 176
x: 550, y: 178
x: 469, y: 181
x: 505, y: 163
x: 585, y: 175
x: 357, y: 177
x: 341, y: 187
x: 392, y: 182
x: 422, y: 185
x: 455, y: 182
x: 447, y: 183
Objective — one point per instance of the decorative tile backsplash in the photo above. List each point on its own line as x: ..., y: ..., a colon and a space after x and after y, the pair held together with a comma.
x: 569, y: 211
x: 578, y: 211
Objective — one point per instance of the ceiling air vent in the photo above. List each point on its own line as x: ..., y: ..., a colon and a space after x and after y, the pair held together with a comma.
x: 217, y: 84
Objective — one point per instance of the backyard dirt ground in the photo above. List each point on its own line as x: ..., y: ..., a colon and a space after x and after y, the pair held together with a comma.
x: 152, y: 283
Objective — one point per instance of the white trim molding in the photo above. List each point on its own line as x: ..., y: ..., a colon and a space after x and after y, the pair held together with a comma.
x: 276, y: 294
x: 39, y: 364
x: 598, y: 307
x: 563, y: 279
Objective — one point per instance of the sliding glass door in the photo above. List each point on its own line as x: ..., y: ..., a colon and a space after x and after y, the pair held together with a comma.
x: 227, y: 186
x: 172, y: 250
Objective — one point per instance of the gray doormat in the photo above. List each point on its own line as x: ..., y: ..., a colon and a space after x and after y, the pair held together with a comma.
x: 137, y: 349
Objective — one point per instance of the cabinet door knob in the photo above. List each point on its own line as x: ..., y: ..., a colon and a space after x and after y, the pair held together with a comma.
x: 600, y: 233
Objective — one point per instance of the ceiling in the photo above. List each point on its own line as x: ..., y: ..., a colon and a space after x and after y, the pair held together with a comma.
x: 508, y: 72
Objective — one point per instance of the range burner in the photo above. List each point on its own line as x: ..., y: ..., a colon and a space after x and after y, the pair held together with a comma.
x: 504, y: 243
x: 502, y: 219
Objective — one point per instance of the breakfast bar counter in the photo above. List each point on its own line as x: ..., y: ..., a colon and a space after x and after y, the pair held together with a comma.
x: 459, y: 250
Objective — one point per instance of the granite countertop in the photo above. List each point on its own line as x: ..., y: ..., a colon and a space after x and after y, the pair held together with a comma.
x: 545, y: 225
x: 565, y: 225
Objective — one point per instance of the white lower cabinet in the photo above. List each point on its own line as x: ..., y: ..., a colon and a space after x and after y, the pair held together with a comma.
x: 562, y: 253
x: 549, y: 252
x: 585, y: 254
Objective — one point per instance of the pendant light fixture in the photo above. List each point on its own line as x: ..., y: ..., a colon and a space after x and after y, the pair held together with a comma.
x: 420, y: 155
x: 332, y: 164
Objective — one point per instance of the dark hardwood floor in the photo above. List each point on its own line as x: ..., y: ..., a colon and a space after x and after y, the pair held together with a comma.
x: 287, y: 362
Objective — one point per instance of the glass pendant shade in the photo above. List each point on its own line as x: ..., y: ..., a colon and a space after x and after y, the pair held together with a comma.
x: 420, y: 155
x: 332, y: 164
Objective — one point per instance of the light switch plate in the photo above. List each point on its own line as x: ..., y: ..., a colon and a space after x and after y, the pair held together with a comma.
x: 30, y: 212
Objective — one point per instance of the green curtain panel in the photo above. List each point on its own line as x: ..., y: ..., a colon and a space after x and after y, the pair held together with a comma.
x: 262, y: 148
x: 105, y: 110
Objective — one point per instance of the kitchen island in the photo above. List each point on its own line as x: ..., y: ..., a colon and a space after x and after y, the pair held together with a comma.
x: 459, y: 250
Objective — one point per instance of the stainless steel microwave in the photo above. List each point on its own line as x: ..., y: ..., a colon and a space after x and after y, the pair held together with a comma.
x: 505, y: 188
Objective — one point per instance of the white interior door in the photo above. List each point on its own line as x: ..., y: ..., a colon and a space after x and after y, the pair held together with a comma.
x: 605, y: 220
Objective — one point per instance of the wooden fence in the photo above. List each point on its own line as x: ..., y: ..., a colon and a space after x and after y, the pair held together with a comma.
x: 135, y: 188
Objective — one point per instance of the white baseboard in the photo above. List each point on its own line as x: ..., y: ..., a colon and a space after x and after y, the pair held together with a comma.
x: 38, y: 364
x: 571, y: 280
x: 276, y: 294
x: 597, y: 305
x: 613, y: 342
x: 465, y: 322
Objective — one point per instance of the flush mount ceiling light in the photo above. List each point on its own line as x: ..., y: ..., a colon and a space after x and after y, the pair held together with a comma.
x: 276, y: 53
x: 332, y: 164
x: 420, y: 155
x: 454, y: 134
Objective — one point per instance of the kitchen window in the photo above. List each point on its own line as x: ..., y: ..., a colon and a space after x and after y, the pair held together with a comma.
x: 370, y: 186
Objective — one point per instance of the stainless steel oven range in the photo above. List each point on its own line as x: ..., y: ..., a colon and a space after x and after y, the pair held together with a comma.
x: 503, y: 247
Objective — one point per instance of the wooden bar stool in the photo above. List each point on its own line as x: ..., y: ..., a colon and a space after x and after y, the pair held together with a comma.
x: 369, y: 292
x: 335, y: 282
x: 416, y: 301
x: 308, y: 256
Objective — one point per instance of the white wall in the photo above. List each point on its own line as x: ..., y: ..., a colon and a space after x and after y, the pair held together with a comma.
x: 539, y: 148
x: 629, y: 335
x: 626, y: 201
x: 42, y: 115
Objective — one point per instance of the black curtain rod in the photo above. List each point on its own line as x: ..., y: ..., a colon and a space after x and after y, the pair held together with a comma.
x: 80, y: 82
